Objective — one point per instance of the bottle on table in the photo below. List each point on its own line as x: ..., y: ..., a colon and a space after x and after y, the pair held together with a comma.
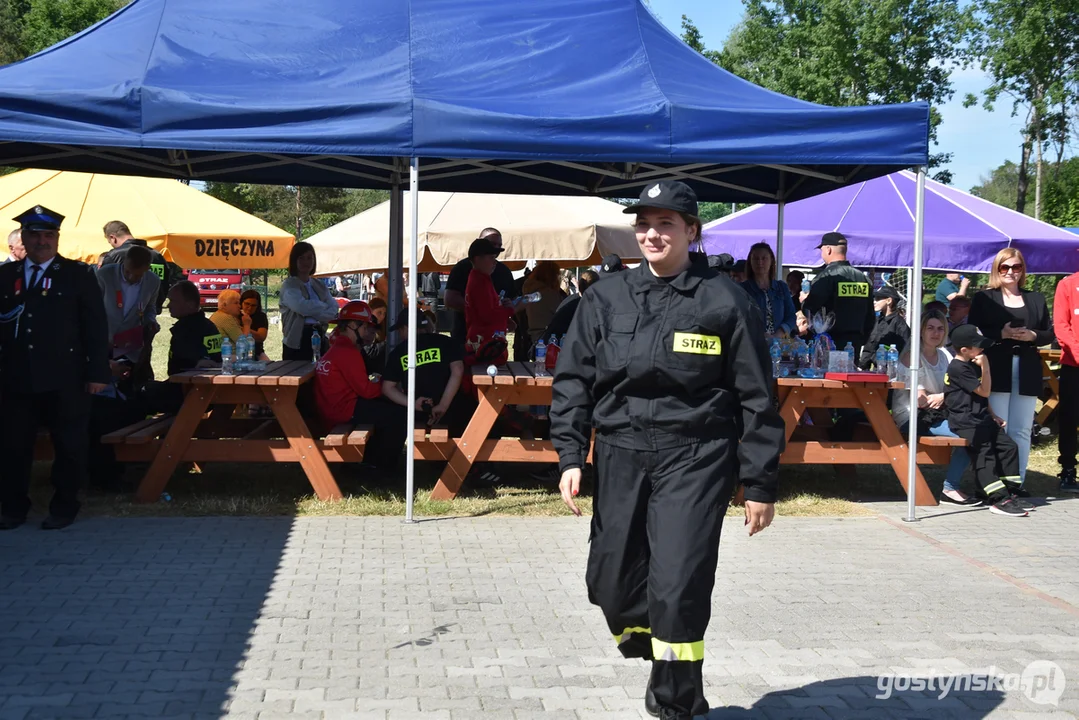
x: 553, y: 349
x: 226, y: 357
x: 541, y: 355
x: 776, y: 354
x: 316, y: 345
x: 851, y: 366
x: 893, y: 363
x: 881, y: 360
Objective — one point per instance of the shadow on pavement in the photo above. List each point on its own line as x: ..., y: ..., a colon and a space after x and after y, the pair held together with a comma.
x: 857, y: 697
x: 120, y: 617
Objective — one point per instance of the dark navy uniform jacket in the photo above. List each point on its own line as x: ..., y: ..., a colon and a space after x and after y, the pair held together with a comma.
x: 656, y: 363
x: 62, y: 341
x: 845, y: 291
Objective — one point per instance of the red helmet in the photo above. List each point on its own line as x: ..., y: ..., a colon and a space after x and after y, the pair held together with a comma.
x: 356, y: 311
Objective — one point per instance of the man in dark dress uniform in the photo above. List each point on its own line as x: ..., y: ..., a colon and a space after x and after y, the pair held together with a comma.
x: 54, y: 354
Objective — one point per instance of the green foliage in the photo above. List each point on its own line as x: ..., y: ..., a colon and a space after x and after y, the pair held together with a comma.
x: 47, y: 22
x: 319, y: 208
x: 849, y: 52
x: 1060, y: 203
x: 1030, y: 50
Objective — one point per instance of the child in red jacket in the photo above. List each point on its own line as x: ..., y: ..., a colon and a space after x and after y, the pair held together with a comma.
x: 345, y: 393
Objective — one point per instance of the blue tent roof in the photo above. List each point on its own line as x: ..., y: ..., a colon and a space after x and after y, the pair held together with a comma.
x: 594, y: 96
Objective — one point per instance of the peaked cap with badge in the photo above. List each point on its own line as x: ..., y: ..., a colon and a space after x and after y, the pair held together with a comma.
x: 666, y: 195
x: 39, y: 217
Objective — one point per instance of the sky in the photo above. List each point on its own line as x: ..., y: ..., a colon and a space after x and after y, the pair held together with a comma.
x: 979, y: 140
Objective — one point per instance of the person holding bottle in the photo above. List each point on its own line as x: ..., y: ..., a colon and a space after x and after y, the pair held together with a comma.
x: 306, y: 304
x: 771, y: 295
x: 1018, y: 320
x: 668, y: 364
x: 487, y: 315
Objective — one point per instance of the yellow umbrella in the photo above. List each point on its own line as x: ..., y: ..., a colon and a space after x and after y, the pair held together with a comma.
x: 192, y: 229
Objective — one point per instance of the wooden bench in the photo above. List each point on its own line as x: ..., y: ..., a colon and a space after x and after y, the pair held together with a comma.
x: 346, y: 434
x: 938, y: 450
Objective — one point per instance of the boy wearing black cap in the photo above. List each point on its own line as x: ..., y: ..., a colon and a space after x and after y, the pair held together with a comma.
x: 995, y: 456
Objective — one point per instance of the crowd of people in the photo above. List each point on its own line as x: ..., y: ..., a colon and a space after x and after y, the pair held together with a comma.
x: 1014, y: 322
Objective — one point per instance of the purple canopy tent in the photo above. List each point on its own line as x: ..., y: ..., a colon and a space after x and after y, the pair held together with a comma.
x: 962, y: 232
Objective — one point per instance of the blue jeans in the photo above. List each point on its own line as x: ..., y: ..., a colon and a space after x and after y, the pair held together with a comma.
x: 1018, y: 411
x: 960, y: 458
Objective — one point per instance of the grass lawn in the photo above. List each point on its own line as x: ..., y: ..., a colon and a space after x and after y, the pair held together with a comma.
x: 282, y: 489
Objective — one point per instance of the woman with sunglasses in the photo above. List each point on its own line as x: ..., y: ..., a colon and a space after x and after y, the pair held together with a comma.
x: 1018, y: 320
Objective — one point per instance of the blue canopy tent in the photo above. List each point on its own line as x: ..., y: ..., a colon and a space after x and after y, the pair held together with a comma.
x: 566, y: 96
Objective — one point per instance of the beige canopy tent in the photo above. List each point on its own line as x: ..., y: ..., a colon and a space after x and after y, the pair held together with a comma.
x: 572, y: 231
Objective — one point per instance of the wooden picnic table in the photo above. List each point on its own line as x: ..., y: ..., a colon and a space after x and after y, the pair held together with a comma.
x: 1049, y: 356
x: 520, y: 383
x: 194, y: 435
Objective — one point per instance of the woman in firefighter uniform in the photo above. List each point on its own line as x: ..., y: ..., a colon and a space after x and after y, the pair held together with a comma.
x: 668, y: 363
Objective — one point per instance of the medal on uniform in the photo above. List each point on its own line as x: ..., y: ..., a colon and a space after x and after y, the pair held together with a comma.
x: 18, y: 287
x: 120, y: 299
x: 45, y: 285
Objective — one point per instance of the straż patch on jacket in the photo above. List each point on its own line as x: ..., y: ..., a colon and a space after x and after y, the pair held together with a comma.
x: 697, y: 344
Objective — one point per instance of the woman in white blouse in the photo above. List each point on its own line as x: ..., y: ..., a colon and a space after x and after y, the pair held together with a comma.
x: 306, y: 304
x: 932, y: 416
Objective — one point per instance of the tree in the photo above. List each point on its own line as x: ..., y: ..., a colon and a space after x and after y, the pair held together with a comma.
x: 309, y: 209
x: 851, y: 52
x: 1061, y: 202
x: 1030, y: 48
x: 692, y: 36
x: 47, y: 22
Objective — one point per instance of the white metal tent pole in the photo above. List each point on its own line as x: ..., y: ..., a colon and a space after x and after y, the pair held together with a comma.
x: 413, y: 316
x: 914, y: 307
x: 779, y: 242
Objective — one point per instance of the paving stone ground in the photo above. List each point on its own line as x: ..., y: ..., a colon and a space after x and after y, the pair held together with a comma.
x: 487, y: 618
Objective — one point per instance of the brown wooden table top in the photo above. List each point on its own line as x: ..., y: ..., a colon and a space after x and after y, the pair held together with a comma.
x: 280, y: 373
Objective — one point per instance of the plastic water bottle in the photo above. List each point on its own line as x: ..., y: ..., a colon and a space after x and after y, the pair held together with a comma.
x: 531, y: 298
x: 881, y: 360
x: 805, y: 285
x: 776, y: 354
x: 802, y: 352
x: 893, y: 363
x: 541, y: 355
x: 226, y: 357
x: 552, y: 353
x: 249, y: 348
x: 316, y: 345
x: 492, y: 371
x: 851, y: 366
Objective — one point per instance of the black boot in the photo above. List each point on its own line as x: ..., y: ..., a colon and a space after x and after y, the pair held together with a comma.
x: 650, y: 705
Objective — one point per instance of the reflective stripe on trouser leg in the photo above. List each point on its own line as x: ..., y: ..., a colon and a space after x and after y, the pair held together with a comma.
x: 674, y: 652
x: 617, y: 575
x: 691, y: 488
x: 994, y: 487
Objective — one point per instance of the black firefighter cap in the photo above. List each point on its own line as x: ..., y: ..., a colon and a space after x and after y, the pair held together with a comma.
x: 887, y: 292
x: 39, y: 217
x: 833, y: 238
x: 667, y: 195
x: 722, y: 262
x: 612, y: 264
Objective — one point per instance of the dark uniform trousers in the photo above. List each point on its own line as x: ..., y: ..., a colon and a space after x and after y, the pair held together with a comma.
x: 66, y: 414
x: 1068, y: 416
x: 656, y: 522
x: 995, y: 458
x: 390, y: 423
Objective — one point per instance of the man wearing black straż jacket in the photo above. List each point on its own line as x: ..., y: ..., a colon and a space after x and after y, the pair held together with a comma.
x: 54, y: 354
